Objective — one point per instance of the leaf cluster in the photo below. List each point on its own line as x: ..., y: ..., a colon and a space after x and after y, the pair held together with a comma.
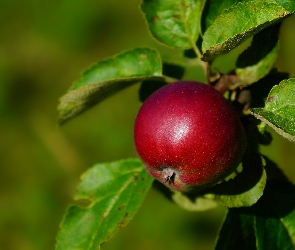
x: 259, y: 198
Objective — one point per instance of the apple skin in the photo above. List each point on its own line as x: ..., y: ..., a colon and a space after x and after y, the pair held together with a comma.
x: 188, y: 136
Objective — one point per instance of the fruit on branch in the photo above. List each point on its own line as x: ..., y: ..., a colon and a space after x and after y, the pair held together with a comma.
x: 188, y: 136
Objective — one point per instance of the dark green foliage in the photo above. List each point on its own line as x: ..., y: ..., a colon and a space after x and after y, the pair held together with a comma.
x: 260, y: 199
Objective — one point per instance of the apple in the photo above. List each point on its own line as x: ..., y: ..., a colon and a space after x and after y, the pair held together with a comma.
x: 188, y: 136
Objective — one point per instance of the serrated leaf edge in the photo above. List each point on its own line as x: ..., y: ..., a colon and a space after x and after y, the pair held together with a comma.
x: 219, y: 198
x: 275, y: 128
x: 78, y: 197
x: 64, y: 117
x: 227, y: 45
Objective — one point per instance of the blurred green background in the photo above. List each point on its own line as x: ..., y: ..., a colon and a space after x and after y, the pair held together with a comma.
x: 44, y: 46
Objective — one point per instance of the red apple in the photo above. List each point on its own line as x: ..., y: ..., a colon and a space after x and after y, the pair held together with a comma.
x: 188, y: 136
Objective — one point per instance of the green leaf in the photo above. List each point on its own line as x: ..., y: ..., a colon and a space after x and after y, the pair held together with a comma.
x: 280, y: 214
x: 149, y: 87
x: 187, y: 201
x: 258, y: 49
x: 255, y: 72
x: 106, y: 200
x: 279, y: 110
x: 257, y: 61
x: 213, y: 9
x: 260, y: 89
x: 268, y: 224
x: 240, y: 22
x: 245, y: 189
x: 237, y: 232
x: 192, y: 202
x: 107, y: 77
x: 276, y: 209
x: 173, y: 70
x: 175, y: 23
x: 267, y: 238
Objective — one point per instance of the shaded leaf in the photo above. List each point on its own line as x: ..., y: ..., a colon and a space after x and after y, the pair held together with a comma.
x: 255, y: 72
x: 240, y: 22
x: 271, y: 218
x: 276, y: 209
x: 262, y: 44
x: 262, y: 135
x: 245, y: 189
x: 107, y: 199
x: 242, y: 191
x: 173, y: 22
x: 267, y: 238
x: 279, y: 110
x: 173, y: 70
x: 260, y: 89
x: 190, y: 53
x: 237, y: 232
x: 149, y: 87
x: 257, y: 61
x: 107, y: 77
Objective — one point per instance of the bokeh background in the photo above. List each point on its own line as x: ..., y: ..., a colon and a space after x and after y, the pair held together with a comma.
x: 44, y: 47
